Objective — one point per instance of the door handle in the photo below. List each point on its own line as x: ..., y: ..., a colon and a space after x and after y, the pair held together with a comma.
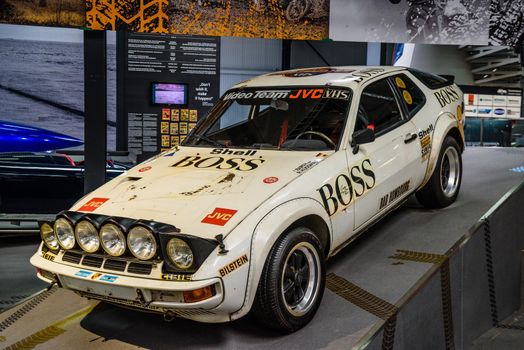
x: 410, y: 137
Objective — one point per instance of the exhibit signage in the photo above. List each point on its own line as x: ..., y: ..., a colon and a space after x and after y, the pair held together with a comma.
x: 170, y: 81
x: 492, y: 102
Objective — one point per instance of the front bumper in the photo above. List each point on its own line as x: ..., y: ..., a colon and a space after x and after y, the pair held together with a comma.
x: 141, y: 293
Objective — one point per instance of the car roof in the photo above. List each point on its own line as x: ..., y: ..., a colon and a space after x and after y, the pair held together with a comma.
x: 347, y: 76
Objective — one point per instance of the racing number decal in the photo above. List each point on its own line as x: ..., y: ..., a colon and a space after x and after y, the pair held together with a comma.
x: 347, y: 187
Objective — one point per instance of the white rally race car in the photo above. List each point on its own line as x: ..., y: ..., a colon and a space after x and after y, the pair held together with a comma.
x: 285, y: 170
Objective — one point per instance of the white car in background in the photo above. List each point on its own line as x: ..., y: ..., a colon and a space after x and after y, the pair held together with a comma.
x: 285, y: 171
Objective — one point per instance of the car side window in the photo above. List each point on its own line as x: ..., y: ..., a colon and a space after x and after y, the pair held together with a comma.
x: 413, y: 98
x: 378, y: 109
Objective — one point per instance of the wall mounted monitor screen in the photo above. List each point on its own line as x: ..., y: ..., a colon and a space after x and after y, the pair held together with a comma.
x: 169, y: 94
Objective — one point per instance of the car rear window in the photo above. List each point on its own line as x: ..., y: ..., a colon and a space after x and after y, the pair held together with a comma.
x: 432, y: 81
x: 412, y: 96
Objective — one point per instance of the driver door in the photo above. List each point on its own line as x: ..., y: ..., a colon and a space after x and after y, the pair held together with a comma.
x: 389, y: 155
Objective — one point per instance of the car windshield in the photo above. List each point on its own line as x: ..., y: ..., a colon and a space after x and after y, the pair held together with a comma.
x: 298, y: 118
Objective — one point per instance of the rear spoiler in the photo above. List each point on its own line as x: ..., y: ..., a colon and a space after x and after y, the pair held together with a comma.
x: 449, y: 78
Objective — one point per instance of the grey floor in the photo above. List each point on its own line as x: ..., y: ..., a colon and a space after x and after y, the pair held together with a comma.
x: 503, y: 338
x: 338, y: 323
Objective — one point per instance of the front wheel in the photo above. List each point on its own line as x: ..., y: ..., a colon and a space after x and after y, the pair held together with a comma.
x: 443, y: 187
x: 292, y: 282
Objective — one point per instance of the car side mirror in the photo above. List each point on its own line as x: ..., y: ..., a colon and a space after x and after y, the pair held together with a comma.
x: 361, y: 137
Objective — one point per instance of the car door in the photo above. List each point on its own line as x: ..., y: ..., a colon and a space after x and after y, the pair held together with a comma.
x: 413, y: 102
x: 390, y: 155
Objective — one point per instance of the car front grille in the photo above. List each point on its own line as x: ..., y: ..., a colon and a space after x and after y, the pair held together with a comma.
x: 107, y: 263
x: 140, y: 268
x: 72, y: 257
x: 116, y: 265
x: 92, y: 261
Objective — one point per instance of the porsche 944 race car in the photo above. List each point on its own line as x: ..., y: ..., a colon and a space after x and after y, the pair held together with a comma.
x: 284, y: 171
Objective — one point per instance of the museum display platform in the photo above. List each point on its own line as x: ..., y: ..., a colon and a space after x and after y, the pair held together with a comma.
x: 419, y: 278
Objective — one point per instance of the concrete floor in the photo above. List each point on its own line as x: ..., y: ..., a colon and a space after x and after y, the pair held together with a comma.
x: 338, y: 323
x: 503, y: 338
x: 17, y: 275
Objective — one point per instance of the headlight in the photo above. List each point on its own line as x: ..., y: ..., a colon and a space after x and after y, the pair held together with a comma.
x: 87, y: 236
x: 141, y: 243
x: 48, y: 236
x: 179, y: 253
x: 113, y: 240
x: 64, y: 233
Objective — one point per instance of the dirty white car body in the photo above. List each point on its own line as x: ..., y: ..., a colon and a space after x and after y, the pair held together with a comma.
x: 241, y: 201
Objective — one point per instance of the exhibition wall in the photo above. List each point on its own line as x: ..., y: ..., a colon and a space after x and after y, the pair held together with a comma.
x: 443, y: 59
x: 477, y: 22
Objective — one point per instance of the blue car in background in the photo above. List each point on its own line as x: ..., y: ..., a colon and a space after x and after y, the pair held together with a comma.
x: 35, y: 180
x: 23, y: 138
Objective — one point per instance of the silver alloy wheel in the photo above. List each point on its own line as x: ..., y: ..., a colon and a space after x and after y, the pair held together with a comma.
x: 450, y: 172
x: 300, y: 279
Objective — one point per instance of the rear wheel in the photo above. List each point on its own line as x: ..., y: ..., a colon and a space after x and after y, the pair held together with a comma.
x: 292, y: 282
x: 443, y: 187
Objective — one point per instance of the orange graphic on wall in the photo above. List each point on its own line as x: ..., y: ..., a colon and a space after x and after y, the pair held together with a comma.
x: 146, y: 16
x: 282, y: 19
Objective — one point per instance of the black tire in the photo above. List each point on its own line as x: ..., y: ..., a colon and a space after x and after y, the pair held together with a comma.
x: 272, y: 307
x: 441, y: 190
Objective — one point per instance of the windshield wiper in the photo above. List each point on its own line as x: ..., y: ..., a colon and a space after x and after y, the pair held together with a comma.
x: 207, y: 139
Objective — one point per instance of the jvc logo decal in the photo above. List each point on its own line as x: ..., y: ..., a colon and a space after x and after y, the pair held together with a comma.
x: 447, y: 96
x: 219, y: 216
x: 93, y: 204
x: 347, y: 187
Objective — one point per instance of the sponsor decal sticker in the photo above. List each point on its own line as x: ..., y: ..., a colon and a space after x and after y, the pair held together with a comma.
x: 459, y: 113
x: 347, y: 187
x: 93, y: 204
x: 96, y: 275
x: 302, y: 168
x: 226, y: 270
x: 49, y: 256
x: 367, y: 73
x: 217, y: 161
x: 270, y: 180
x: 499, y: 111
x: 173, y: 277
x: 309, y: 72
x: 407, y: 97
x: 400, y: 83
x: 341, y: 94
x: 393, y: 195
x: 219, y: 216
x: 83, y: 273
x: 446, y: 96
x: 108, y: 278
x: 144, y: 169
x: 425, y: 142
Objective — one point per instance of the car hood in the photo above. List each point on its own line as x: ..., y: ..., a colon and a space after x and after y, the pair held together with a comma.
x: 201, y: 191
